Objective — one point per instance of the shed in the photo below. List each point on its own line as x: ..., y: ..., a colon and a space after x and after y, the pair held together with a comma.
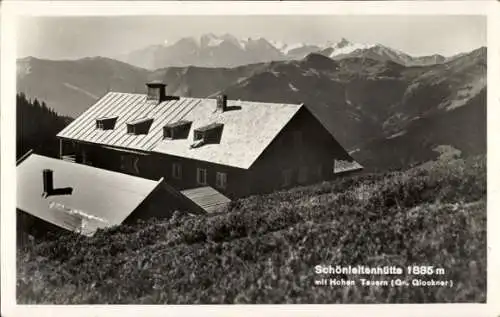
x: 207, y: 198
x: 83, y: 198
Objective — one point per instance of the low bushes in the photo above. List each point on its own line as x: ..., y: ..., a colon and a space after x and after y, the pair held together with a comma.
x: 264, y: 249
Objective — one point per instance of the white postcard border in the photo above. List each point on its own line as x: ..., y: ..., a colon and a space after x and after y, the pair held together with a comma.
x: 9, y: 12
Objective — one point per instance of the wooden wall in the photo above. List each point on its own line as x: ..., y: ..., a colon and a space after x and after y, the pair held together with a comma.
x: 313, y: 151
x: 155, y: 166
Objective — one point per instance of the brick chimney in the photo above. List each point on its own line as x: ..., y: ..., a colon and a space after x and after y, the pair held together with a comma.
x: 48, y: 182
x: 221, y: 103
x: 156, y: 91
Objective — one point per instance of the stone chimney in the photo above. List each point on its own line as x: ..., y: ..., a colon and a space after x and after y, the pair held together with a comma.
x: 156, y: 91
x: 221, y: 103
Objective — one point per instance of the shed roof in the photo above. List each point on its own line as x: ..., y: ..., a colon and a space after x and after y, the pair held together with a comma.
x: 249, y: 127
x: 99, y: 199
x: 207, y: 198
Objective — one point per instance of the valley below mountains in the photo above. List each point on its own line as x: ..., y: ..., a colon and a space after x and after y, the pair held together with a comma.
x: 388, y: 114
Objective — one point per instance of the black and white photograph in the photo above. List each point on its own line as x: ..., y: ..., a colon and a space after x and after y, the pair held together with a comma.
x: 250, y: 159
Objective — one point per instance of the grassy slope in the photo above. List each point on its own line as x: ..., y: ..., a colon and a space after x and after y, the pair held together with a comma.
x: 264, y: 250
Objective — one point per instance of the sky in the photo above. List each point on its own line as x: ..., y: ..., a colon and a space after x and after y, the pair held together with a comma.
x: 76, y: 37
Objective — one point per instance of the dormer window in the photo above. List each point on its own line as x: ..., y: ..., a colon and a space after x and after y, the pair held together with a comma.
x: 105, y: 123
x: 210, y: 134
x: 139, y: 126
x: 177, y: 130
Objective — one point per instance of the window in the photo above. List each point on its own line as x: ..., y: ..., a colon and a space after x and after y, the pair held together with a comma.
x: 140, y: 126
x: 221, y: 180
x: 177, y: 170
x: 302, y: 178
x: 123, y: 162
x: 129, y: 164
x: 287, y: 177
x: 106, y: 123
x: 84, y: 157
x: 168, y: 133
x: 210, y: 134
x: 201, y: 176
x: 177, y: 130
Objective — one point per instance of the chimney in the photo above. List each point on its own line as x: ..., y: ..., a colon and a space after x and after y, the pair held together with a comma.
x: 48, y: 182
x: 156, y: 91
x: 221, y: 103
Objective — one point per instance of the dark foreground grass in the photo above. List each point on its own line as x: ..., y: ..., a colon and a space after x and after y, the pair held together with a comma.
x: 265, y: 248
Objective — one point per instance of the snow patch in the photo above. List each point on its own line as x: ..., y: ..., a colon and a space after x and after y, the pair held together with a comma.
x: 349, y: 49
x: 214, y: 42
x: 275, y: 73
x: 241, y: 79
x: 466, y: 93
x: 311, y: 72
x: 290, y: 47
x: 395, y: 135
x: 286, y: 48
x: 91, y: 95
x: 345, y: 47
x: 71, y: 211
x: 278, y: 45
x: 292, y: 87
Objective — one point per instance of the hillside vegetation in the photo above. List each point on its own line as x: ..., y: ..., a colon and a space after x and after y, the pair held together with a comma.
x: 263, y: 249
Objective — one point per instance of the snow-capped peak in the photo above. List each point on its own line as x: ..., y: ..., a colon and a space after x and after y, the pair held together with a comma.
x: 285, y: 48
x: 278, y: 44
x: 345, y: 47
x: 343, y: 43
x: 210, y: 40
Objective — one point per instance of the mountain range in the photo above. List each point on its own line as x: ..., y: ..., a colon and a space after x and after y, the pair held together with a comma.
x: 226, y: 50
x: 386, y: 113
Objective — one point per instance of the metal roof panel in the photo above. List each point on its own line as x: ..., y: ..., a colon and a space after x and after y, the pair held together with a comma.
x: 249, y: 127
x: 99, y: 198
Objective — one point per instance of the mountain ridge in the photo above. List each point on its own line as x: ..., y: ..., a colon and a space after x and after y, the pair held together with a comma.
x: 359, y: 100
x: 229, y: 51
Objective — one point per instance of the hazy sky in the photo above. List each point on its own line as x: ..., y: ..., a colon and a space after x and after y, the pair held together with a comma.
x: 74, y: 37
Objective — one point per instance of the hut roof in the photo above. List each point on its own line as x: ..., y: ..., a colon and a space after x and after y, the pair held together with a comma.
x: 86, y: 198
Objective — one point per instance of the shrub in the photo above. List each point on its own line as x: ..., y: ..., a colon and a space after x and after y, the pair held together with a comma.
x: 264, y: 249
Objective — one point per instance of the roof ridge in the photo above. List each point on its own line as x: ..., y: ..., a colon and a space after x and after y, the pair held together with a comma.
x: 249, y: 126
x: 213, y: 99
